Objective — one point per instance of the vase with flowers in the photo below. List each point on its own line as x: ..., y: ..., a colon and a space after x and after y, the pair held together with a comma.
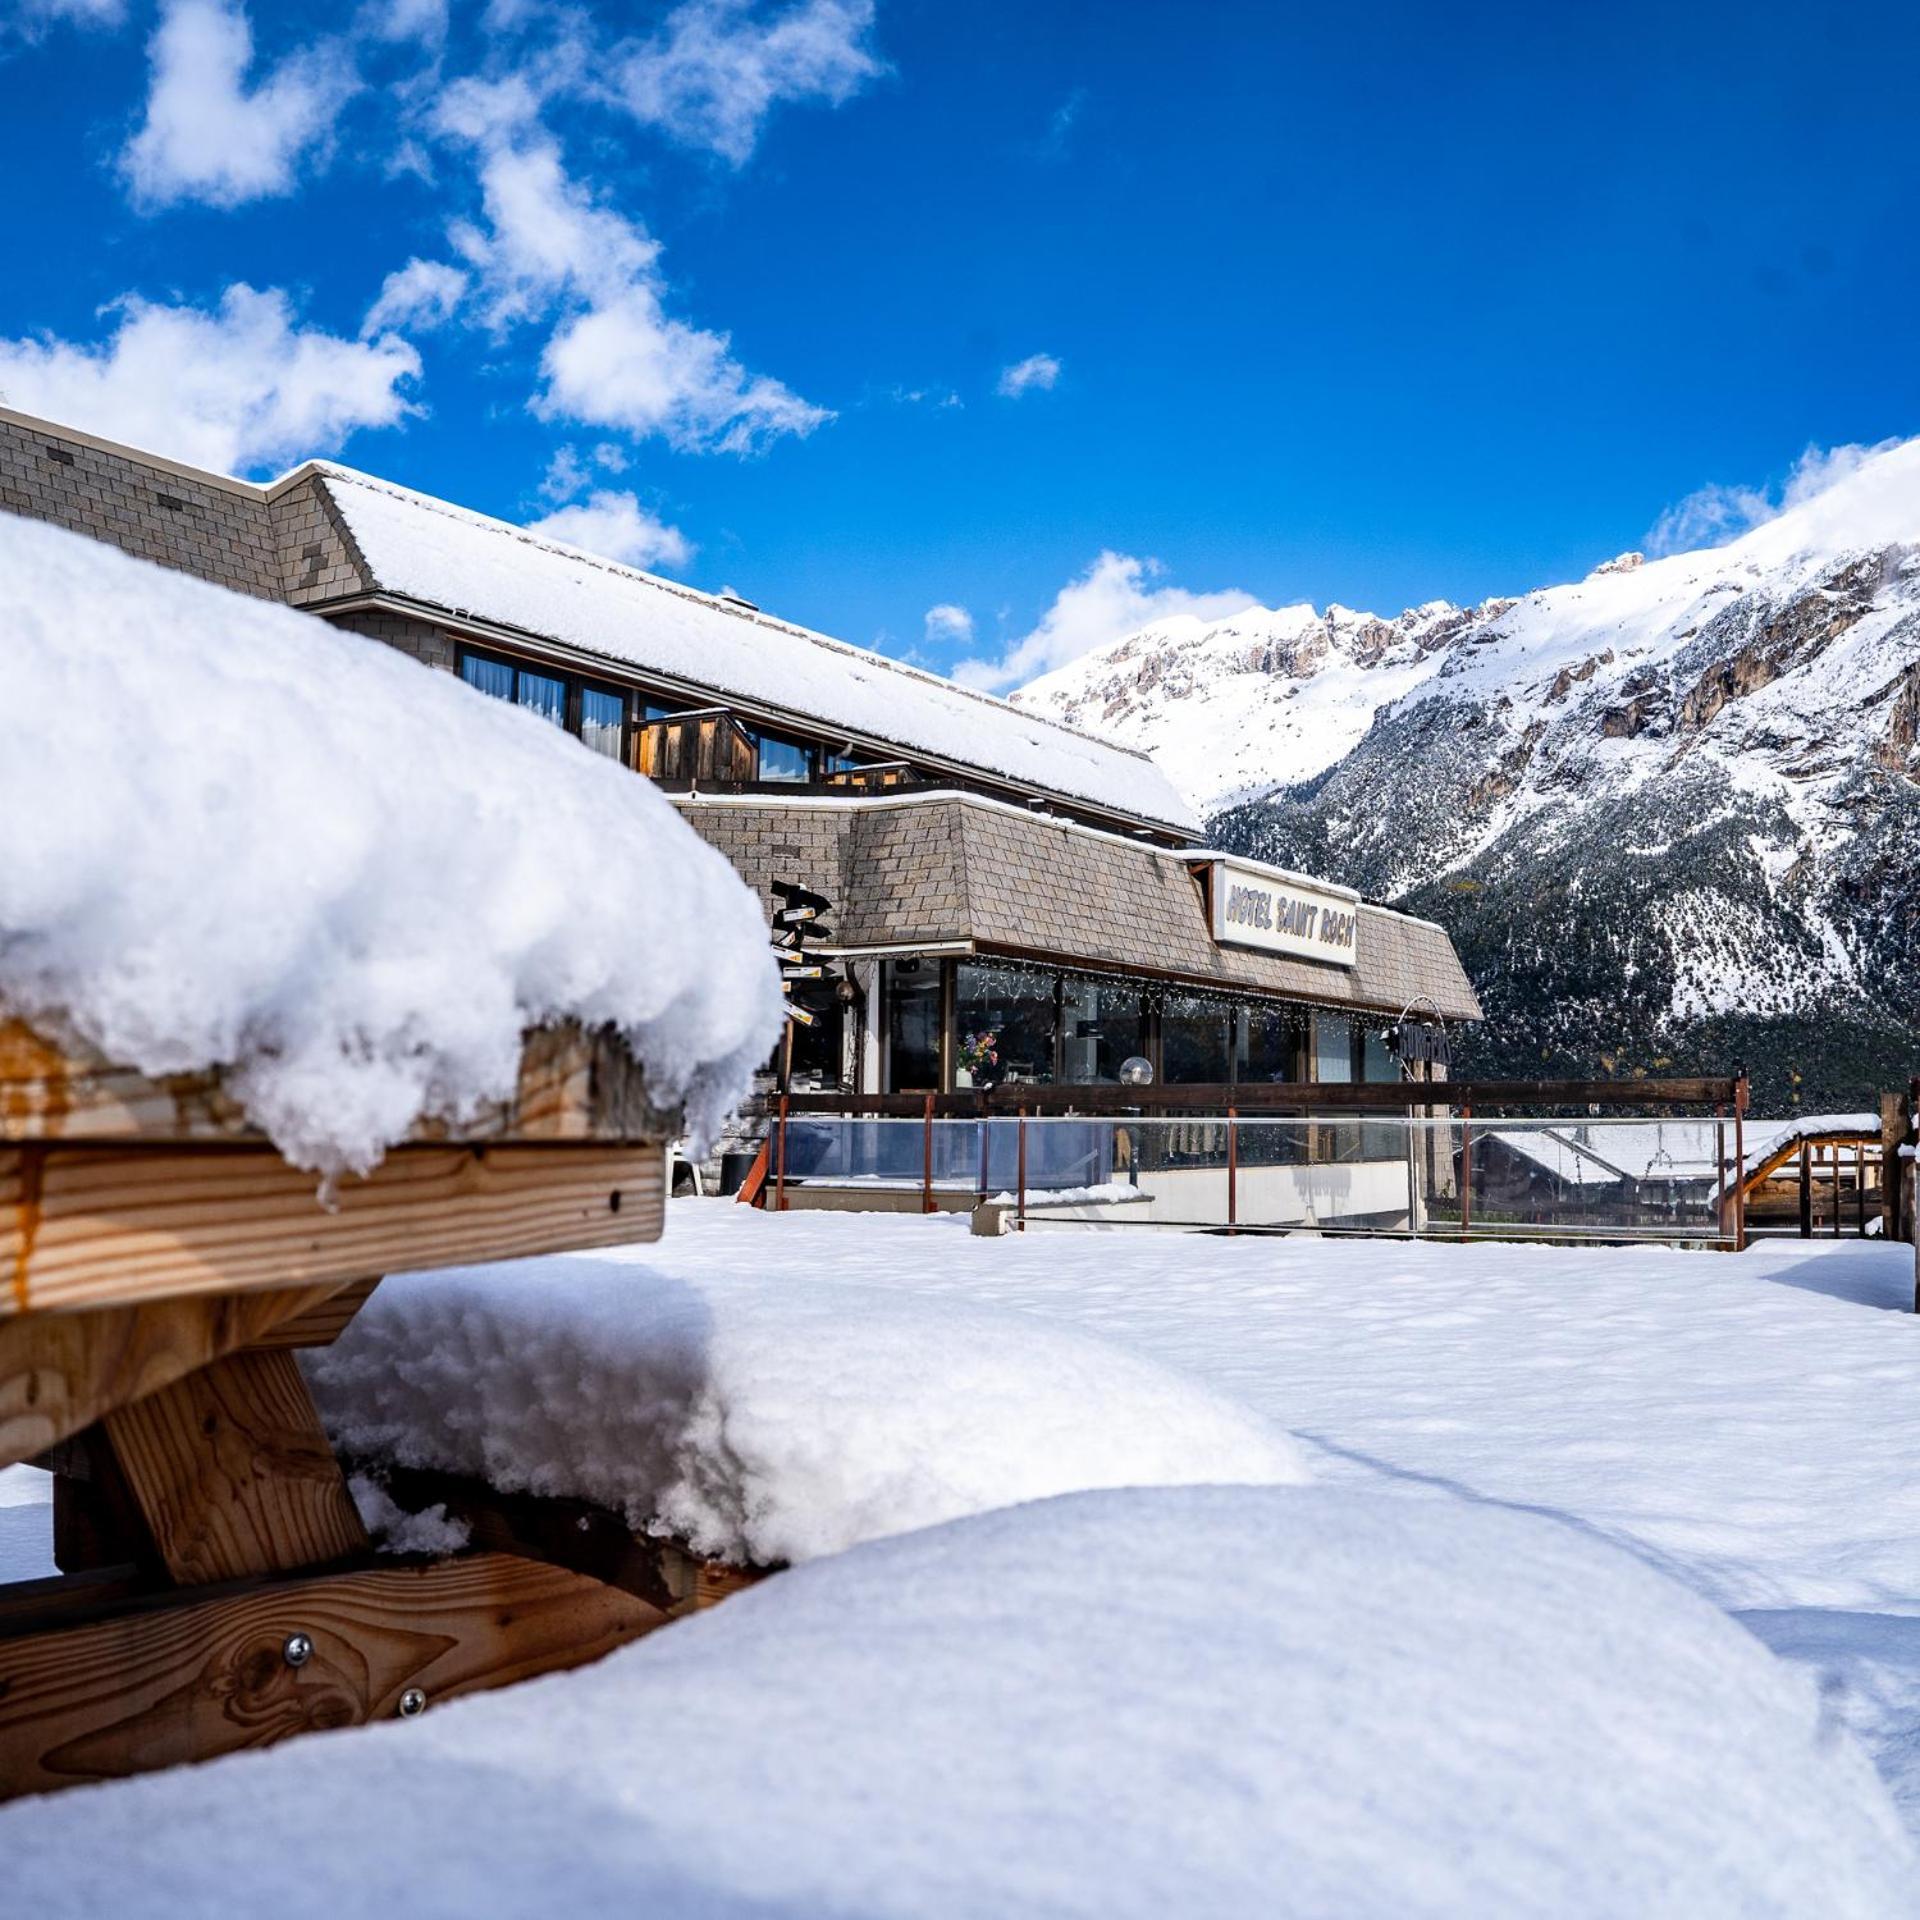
x: 977, y: 1063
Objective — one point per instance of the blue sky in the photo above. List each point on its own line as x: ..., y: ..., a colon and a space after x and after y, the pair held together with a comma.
x: 872, y: 311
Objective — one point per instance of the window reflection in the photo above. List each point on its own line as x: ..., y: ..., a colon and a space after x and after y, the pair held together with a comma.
x: 784, y: 759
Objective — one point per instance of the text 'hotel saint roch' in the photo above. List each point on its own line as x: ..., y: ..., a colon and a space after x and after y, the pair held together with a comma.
x: 991, y: 898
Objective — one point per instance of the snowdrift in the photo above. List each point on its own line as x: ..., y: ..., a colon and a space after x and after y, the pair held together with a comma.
x: 765, y: 1418
x: 1195, y: 1701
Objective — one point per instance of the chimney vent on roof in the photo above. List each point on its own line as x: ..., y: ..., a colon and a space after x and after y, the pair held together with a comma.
x: 728, y: 598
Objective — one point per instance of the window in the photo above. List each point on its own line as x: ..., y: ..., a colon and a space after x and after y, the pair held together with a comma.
x: 784, y: 759
x: 545, y: 695
x: 913, y: 1026
x: 1332, y: 1048
x: 603, y: 722
x: 597, y: 715
x: 1196, y: 1034
x: 1102, y: 1023
x: 1378, y: 1061
x: 1269, y: 1044
x: 1005, y: 1022
x: 490, y: 676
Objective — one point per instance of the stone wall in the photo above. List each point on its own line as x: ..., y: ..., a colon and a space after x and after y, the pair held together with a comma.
x: 432, y: 646
x: 774, y: 842
x: 318, y: 559
x: 222, y: 532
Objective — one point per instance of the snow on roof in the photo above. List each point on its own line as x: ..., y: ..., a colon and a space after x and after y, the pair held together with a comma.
x: 429, y: 550
x: 247, y: 840
x: 1129, y: 1704
x: 767, y: 1415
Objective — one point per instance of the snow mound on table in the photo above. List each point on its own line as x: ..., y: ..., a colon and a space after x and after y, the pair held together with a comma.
x: 262, y: 844
x: 1151, y: 1703
x: 771, y: 1418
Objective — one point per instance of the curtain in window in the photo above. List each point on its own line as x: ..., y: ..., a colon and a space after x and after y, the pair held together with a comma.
x: 547, y: 697
x: 603, y: 721
x: 490, y: 676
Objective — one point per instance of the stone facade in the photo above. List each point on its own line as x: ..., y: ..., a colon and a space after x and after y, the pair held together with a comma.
x: 431, y: 645
x: 318, y: 558
x: 965, y: 871
x: 221, y: 530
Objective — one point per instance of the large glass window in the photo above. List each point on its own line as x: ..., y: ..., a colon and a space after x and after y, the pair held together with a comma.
x: 490, y: 676
x: 913, y: 1026
x: 1196, y: 1039
x: 598, y: 714
x: 603, y: 722
x: 784, y: 759
x: 1378, y: 1061
x: 1333, y: 1047
x: 544, y: 694
x: 1102, y: 1024
x: 1005, y: 1024
x: 1269, y: 1044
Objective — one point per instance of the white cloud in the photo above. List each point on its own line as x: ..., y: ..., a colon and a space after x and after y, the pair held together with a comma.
x: 616, y: 357
x: 618, y: 527
x: 1715, y: 514
x: 1113, y: 598
x: 626, y: 364
x: 31, y: 17
x: 1039, y: 370
x: 568, y: 473
x: 949, y: 625
x: 236, y: 388
x: 715, y: 68
x: 422, y: 20
x: 422, y: 294
x: 207, y: 136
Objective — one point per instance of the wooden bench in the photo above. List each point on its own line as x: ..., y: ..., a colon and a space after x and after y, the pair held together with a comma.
x: 160, y: 1264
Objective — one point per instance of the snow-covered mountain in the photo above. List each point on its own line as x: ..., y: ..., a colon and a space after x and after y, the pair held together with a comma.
x: 1670, y: 813
x: 1271, y: 696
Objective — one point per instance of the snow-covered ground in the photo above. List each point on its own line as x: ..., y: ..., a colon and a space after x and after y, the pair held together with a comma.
x: 1741, y: 1426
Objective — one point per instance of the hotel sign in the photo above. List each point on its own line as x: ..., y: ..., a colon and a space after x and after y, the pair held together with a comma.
x: 1261, y: 907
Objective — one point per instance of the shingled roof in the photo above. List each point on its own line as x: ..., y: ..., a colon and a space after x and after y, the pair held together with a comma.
x: 964, y: 871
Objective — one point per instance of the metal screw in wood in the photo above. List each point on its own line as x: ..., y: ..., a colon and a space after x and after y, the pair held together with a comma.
x: 413, y: 1702
x: 297, y: 1649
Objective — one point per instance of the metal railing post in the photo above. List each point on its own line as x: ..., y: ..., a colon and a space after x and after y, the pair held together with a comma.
x: 1021, y: 1155
x: 1466, y: 1170
x: 1740, y: 1161
x: 780, y: 1175
x: 1233, y: 1169
x: 1724, y: 1221
x: 926, y: 1167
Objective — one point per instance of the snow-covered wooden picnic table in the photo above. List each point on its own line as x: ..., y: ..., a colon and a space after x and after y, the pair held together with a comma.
x: 316, y: 967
